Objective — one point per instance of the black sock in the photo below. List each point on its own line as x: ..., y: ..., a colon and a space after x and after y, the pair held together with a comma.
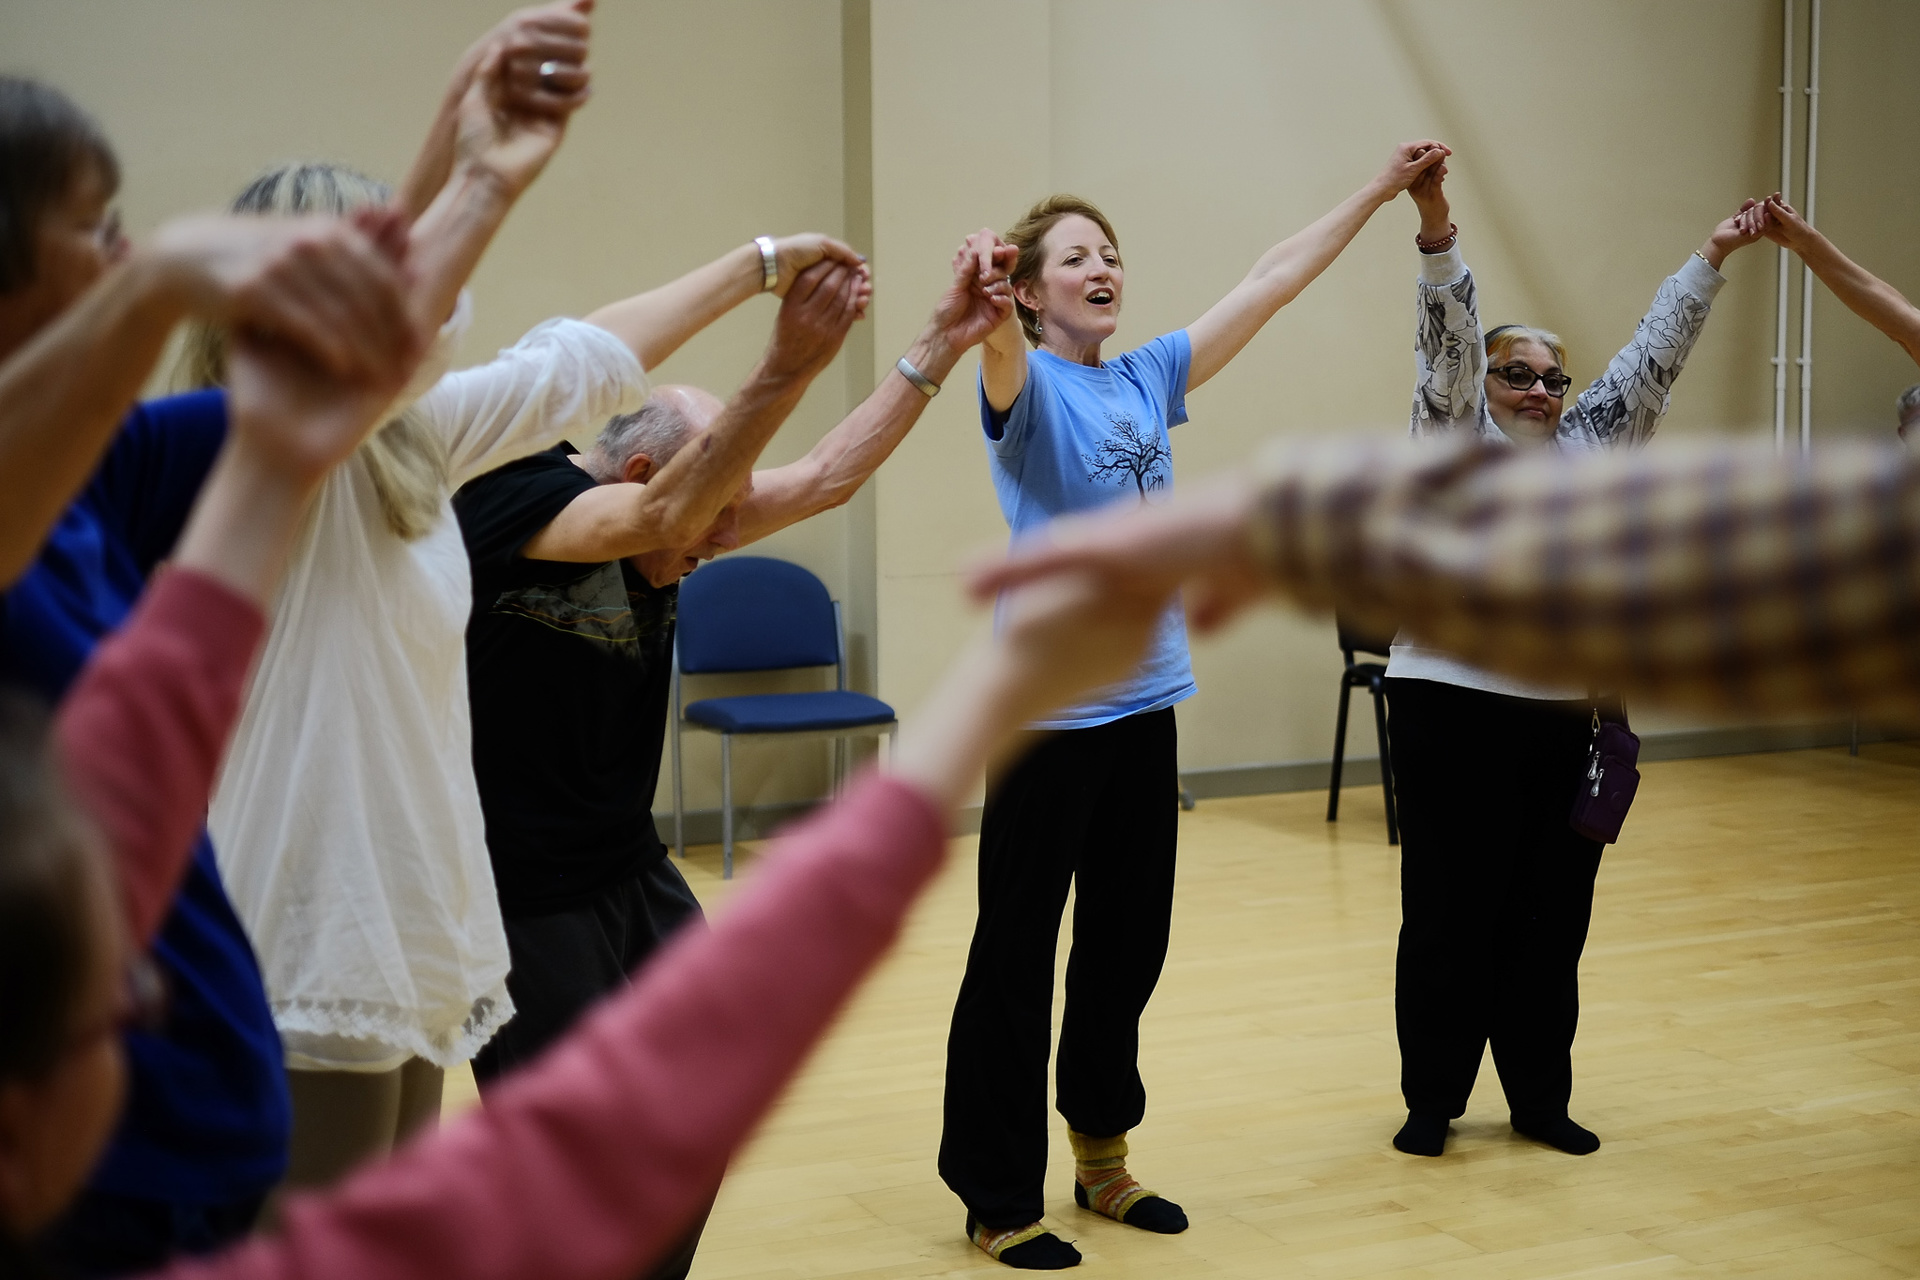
x: 1422, y: 1135
x: 1044, y: 1252
x: 1557, y: 1131
x: 1151, y: 1212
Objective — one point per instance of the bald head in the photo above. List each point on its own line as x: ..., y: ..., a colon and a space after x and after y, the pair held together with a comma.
x: 658, y: 429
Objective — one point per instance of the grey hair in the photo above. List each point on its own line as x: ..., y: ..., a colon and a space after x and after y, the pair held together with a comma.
x: 1908, y: 403
x: 657, y: 428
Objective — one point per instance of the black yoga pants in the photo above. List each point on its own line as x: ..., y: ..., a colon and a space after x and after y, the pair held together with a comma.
x: 1496, y: 892
x: 1098, y: 809
x: 566, y: 961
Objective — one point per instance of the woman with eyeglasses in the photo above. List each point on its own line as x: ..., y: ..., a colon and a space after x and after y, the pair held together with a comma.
x: 1496, y: 886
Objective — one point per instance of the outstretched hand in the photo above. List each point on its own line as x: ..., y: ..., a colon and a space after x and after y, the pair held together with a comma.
x: 1071, y: 631
x: 1429, y: 194
x: 1736, y: 232
x: 979, y: 300
x: 1059, y: 637
x: 1197, y: 540
x: 509, y: 132
x: 551, y: 36
x: 1778, y: 221
x: 291, y: 423
x: 294, y: 416
x: 795, y: 254
x: 819, y: 308
x: 1409, y: 161
x: 327, y: 286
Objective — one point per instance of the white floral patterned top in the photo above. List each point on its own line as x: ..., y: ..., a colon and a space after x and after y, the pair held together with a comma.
x: 1620, y: 409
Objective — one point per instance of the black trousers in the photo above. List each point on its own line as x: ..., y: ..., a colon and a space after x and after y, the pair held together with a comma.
x: 1098, y: 809
x: 1496, y: 892
x: 565, y: 961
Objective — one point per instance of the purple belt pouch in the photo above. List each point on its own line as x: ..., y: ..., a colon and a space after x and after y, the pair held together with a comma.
x: 1605, y: 793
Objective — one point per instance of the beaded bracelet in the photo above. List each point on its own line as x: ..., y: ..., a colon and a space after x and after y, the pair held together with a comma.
x: 1441, y: 245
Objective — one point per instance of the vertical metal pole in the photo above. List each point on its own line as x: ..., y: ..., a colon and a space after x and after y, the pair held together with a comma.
x: 1786, y: 193
x: 679, y: 787
x: 1806, y: 276
x: 726, y: 806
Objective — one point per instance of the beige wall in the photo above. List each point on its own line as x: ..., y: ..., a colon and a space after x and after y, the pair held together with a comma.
x: 710, y: 123
x: 1597, y: 144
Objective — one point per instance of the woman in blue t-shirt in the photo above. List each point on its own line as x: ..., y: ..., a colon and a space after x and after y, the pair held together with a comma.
x: 1095, y: 804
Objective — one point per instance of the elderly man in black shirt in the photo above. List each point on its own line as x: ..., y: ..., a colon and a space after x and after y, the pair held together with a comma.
x: 577, y: 556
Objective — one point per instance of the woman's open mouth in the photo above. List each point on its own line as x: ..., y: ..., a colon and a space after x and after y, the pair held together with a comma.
x: 1100, y: 297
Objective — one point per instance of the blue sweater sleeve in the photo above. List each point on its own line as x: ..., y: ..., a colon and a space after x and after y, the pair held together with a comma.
x: 153, y: 471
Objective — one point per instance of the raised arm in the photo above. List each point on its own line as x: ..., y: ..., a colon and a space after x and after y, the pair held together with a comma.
x: 588, y: 1164
x: 671, y: 510
x: 142, y: 732
x: 975, y: 304
x: 1003, y: 353
x: 315, y: 282
x: 551, y: 35
x: 1450, y: 351
x: 1623, y: 407
x: 1866, y: 295
x: 504, y: 140
x: 654, y: 324
x: 1713, y: 576
x: 1290, y: 266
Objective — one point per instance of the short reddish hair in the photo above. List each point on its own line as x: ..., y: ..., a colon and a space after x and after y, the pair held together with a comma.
x: 1027, y: 235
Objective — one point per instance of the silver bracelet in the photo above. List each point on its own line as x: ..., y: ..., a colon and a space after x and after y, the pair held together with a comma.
x: 769, y: 263
x: 928, y: 387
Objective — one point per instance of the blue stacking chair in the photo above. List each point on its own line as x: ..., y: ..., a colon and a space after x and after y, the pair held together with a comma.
x: 753, y: 613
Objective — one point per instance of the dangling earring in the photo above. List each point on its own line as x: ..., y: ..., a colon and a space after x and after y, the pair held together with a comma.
x: 1037, y: 326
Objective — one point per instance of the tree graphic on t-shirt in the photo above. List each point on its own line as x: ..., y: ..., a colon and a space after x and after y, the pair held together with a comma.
x: 1129, y: 452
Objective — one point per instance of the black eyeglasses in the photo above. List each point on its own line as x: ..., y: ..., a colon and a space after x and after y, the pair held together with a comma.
x: 1521, y: 378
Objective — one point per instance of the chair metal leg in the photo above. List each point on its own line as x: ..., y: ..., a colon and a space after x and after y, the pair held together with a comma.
x: 726, y: 806
x: 1339, y: 752
x: 679, y: 800
x: 1386, y: 761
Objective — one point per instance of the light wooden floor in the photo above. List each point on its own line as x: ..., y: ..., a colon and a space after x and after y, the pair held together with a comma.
x: 1749, y: 1054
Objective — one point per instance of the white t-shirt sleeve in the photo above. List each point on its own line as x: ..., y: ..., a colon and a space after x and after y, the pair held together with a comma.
x: 562, y: 381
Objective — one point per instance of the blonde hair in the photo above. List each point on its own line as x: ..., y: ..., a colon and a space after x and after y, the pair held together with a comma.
x: 1502, y: 340
x: 406, y: 458
x: 1030, y: 231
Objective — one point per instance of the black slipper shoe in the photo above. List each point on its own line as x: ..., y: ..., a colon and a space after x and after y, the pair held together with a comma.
x: 1422, y: 1135
x: 1559, y: 1132
x: 1153, y: 1213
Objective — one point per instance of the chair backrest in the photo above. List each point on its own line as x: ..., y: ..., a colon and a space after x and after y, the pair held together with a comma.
x: 1353, y: 638
x: 754, y: 613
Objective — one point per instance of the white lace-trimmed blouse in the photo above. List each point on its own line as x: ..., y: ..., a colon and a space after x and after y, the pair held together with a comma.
x: 346, y: 819
x: 1620, y: 410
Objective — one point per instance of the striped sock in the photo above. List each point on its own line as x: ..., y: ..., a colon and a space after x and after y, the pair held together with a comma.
x: 995, y: 1243
x: 1028, y: 1248
x: 1101, y: 1183
x: 1100, y: 1167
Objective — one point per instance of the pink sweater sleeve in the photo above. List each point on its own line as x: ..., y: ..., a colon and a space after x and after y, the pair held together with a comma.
x: 590, y: 1164
x: 141, y: 732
